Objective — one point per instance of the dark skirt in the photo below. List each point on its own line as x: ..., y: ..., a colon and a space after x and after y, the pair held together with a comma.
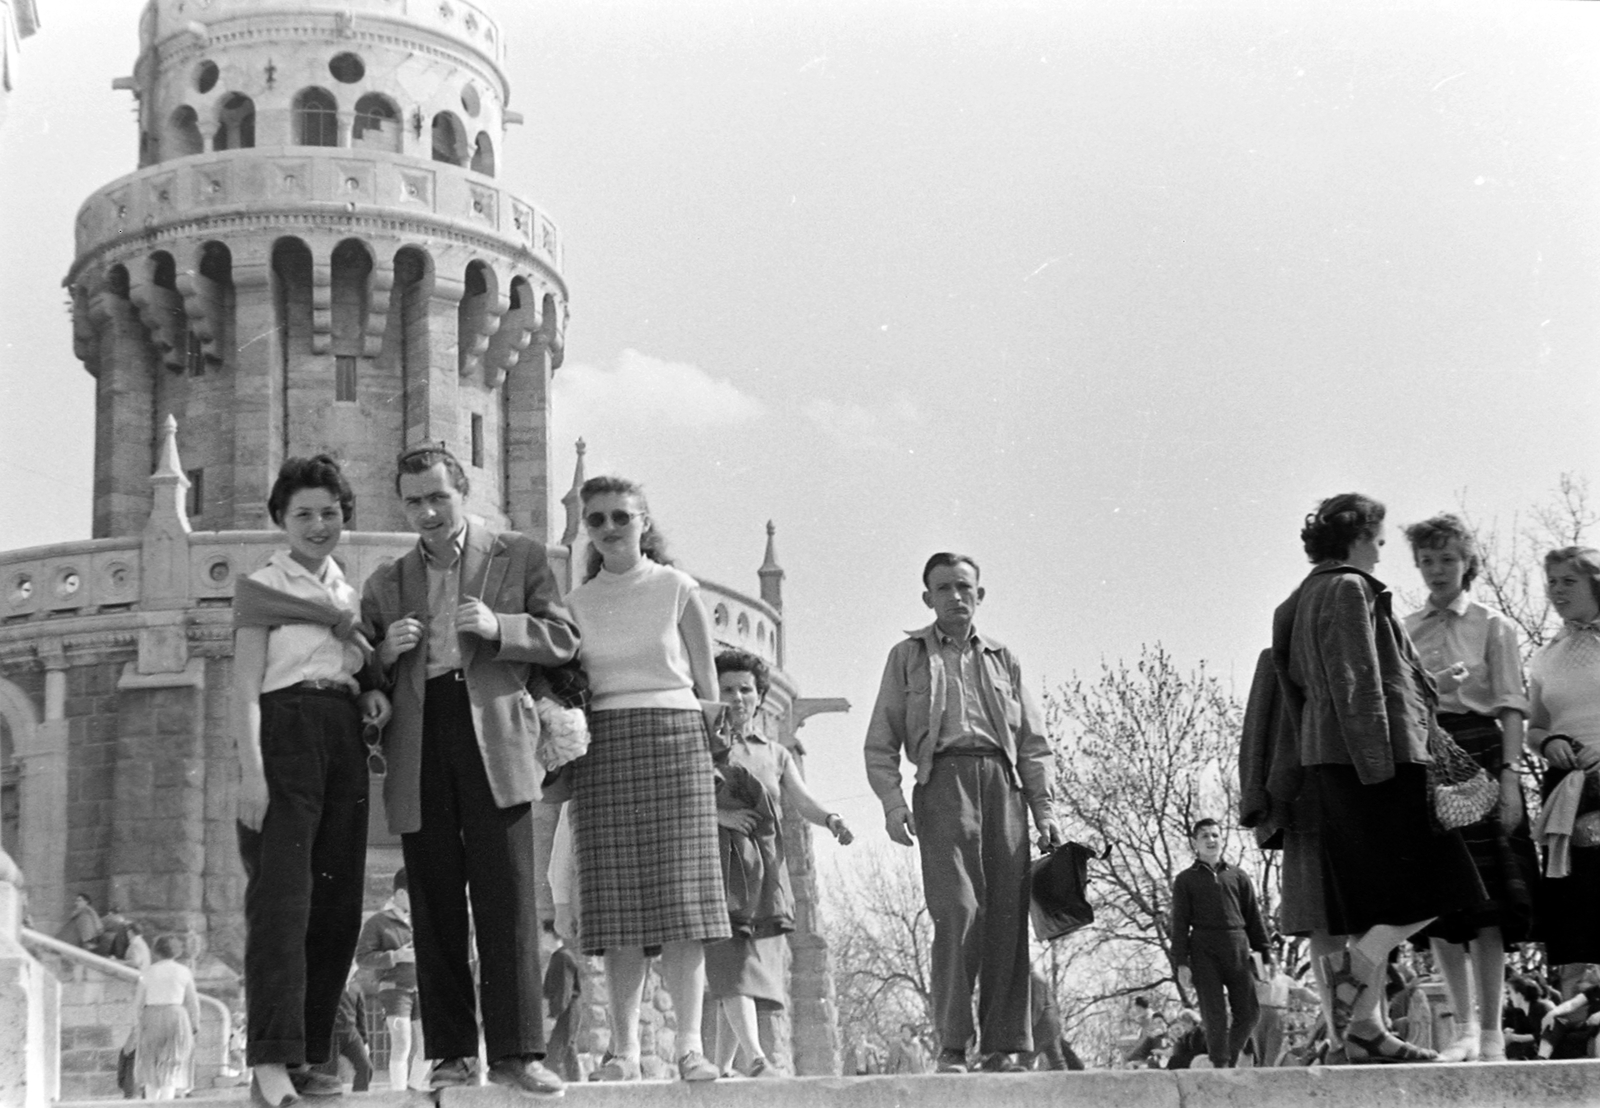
x: 743, y: 966
x: 1382, y: 859
x: 1507, y: 863
x: 644, y: 827
x: 1566, y: 909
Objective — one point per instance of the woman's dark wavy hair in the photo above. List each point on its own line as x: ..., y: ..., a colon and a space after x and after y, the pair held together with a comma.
x: 652, y: 544
x: 1585, y: 558
x: 320, y: 472
x: 1439, y: 532
x: 742, y: 661
x: 1338, y: 523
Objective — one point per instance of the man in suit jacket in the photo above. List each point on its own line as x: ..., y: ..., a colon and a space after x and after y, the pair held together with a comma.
x: 458, y: 624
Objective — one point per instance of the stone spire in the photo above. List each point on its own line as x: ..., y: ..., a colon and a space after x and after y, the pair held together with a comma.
x: 164, y: 556
x: 573, y: 502
x: 771, y: 573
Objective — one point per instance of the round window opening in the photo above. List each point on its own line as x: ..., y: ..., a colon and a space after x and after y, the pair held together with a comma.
x: 347, y: 68
x: 469, y: 100
x: 205, y: 77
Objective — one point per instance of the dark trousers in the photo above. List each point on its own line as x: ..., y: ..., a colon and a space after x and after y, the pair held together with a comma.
x: 1224, y: 985
x: 972, y: 828
x: 304, y: 874
x: 470, y: 849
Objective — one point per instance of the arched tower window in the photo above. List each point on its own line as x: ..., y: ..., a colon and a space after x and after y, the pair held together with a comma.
x: 449, y: 139
x: 184, y: 133
x: 292, y: 276
x: 351, y: 267
x: 471, y: 315
x: 483, y: 155
x: 377, y: 124
x: 216, y: 266
x: 236, y: 123
x: 413, y: 280
x: 316, y: 118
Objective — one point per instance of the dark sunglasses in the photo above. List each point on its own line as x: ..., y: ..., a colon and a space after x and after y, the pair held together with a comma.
x: 619, y: 518
x: 377, y: 764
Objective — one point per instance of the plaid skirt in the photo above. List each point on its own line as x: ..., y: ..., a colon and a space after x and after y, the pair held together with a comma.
x: 644, y: 827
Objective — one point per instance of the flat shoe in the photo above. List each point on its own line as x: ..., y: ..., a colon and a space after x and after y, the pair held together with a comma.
x: 1383, y: 1048
x: 308, y: 1082
x: 259, y: 1098
x: 1464, y: 1049
x: 615, y: 1068
x: 694, y: 1066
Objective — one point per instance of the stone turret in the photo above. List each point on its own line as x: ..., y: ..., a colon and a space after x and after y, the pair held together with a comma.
x: 315, y: 254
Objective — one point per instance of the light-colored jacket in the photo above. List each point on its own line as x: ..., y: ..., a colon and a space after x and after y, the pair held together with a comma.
x: 912, y: 695
x: 508, y: 572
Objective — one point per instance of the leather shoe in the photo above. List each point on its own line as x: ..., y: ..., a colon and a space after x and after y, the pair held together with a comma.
x: 951, y: 1061
x: 449, y: 1073
x: 258, y: 1099
x: 1000, y: 1062
x: 526, y: 1076
x: 308, y: 1082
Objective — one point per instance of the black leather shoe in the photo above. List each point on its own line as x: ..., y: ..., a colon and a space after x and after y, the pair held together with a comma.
x: 308, y: 1082
x: 1000, y: 1062
x: 527, y: 1076
x: 449, y: 1073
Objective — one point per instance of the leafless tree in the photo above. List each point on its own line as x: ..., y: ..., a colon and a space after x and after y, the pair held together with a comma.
x: 1513, y: 555
x: 1142, y: 752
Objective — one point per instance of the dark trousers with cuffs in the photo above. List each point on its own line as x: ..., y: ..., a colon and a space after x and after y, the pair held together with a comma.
x: 470, y: 850
x: 972, y: 830
x: 1224, y: 986
x: 305, y: 873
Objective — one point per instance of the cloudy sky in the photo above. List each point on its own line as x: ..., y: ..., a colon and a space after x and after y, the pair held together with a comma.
x: 1106, y: 295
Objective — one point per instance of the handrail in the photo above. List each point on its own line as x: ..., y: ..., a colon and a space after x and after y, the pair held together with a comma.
x: 113, y: 968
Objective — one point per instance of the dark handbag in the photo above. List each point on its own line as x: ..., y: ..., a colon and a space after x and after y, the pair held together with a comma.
x: 1459, y: 790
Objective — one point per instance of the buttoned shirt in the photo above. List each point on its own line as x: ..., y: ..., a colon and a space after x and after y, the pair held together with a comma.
x: 444, y: 597
x: 1214, y: 898
x: 299, y: 652
x: 965, y: 720
x: 1483, y: 640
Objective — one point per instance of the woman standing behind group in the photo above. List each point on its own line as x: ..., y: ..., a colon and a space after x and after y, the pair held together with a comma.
x: 1564, y: 687
x: 1363, y: 705
x: 643, y: 808
x: 746, y: 971
x: 1471, y: 653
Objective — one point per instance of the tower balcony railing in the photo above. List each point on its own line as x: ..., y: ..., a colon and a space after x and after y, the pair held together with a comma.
x: 261, y: 182
x: 459, y: 19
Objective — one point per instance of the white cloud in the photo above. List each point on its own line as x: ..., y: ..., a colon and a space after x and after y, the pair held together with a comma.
x: 642, y: 389
x: 854, y: 424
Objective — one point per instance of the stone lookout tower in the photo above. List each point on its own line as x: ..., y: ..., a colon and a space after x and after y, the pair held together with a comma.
x: 315, y: 255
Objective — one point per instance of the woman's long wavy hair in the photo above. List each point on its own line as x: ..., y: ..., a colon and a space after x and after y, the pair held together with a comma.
x: 652, y: 544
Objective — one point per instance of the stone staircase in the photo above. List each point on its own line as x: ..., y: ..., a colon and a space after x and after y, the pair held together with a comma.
x: 1500, y: 1085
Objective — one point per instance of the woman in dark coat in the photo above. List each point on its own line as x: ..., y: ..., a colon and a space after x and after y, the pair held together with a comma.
x: 1364, y: 706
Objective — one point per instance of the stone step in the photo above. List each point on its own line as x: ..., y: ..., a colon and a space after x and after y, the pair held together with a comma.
x: 1498, y: 1085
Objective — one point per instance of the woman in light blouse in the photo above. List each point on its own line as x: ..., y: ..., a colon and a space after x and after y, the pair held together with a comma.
x: 643, y: 808
x: 1471, y: 651
x: 1564, y: 728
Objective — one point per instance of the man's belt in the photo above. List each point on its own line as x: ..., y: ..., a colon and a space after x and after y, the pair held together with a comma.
x: 970, y: 752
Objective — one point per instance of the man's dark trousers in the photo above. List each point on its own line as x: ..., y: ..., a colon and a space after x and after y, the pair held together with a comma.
x: 1224, y: 983
x: 470, y: 847
x: 972, y: 828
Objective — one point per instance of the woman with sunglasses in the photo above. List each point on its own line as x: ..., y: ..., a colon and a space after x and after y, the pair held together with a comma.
x: 644, y: 814
x: 298, y: 715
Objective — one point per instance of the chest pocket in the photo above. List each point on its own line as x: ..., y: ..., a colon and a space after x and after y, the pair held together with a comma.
x: 1000, y: 680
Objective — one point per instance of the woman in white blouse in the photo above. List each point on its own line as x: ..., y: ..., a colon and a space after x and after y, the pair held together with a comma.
x: 1564, y: 688
x: 643, y: 808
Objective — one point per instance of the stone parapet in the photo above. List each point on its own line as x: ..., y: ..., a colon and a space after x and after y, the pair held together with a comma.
x: 298, y: 189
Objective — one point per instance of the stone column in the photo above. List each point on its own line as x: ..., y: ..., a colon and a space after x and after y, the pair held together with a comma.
x: 41, y: 753
x: 257, y: 388
x: 525, y: 441
x: 30, y: 1007
x: 124, y: 425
